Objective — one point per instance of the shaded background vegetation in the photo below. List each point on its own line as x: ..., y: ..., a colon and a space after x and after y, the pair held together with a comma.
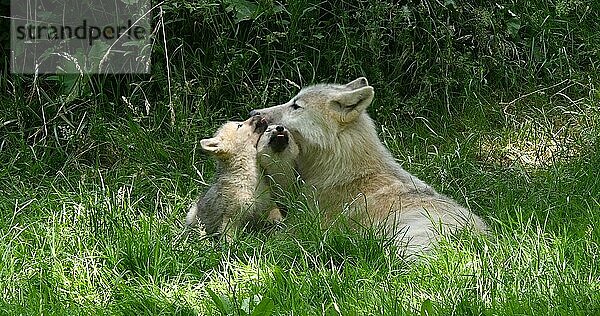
x: 425, y: 58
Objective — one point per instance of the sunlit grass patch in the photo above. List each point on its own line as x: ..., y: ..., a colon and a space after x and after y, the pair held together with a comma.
x: 540, y: 135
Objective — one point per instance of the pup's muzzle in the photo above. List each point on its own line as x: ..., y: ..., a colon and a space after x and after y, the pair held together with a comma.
x: 280, y: 139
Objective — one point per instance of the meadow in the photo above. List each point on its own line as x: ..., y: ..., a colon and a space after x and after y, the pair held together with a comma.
x: 495, y: 104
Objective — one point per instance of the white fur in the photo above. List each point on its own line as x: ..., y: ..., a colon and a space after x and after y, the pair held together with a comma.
x: 352, y: 172
x: 239, y: 196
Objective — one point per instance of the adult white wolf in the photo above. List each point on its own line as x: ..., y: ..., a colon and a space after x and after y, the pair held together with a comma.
x: 352, y: 172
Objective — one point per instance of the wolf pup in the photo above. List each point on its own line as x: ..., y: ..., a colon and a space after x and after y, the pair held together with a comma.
x: 277, y: 152
x: 353, y: 174
x: 239, y: 195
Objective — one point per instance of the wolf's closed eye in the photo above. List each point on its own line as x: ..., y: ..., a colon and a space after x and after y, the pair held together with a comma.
x: 240, y: 125
x: 295, y: 106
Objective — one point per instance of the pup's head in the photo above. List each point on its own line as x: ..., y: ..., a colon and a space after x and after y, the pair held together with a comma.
x: 234, y: 137
x: 277, y: 154
x: 317, y: 114
x: 277, y: 141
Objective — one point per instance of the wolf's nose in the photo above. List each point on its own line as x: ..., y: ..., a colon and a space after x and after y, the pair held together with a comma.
x: 279, y: 128
x: 254, y: 113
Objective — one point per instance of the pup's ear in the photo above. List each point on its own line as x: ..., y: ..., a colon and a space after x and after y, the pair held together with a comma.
x: 353, y: 103
x: 212, y: 145
x: 357, y: 83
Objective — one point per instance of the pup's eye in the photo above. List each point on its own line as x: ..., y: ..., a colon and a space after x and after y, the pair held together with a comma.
x: 240, y: 125
x: 295, y: 106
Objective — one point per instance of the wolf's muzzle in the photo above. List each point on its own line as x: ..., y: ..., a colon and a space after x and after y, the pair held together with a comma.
x: 260, y: 124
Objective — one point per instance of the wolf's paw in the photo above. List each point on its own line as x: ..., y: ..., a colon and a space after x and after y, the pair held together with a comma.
x: 275, y: 216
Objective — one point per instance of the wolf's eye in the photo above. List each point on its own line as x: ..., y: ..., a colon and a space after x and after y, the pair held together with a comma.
x: 240, y: 125
x: 295, y: 106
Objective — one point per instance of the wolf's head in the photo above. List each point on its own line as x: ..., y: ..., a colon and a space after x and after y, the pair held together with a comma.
x: 235, y: 137
x: 317, y: 114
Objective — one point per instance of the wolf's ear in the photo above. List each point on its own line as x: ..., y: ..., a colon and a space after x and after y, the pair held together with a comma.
x: 357, y: 83
x: 212, y: 145
x: 353, y: 103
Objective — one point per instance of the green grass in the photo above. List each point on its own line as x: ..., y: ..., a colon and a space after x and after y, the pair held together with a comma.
x: 499, y: 112
x: 87, y: 239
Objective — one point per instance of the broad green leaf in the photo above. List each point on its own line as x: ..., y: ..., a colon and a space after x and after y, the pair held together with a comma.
x: 264, y: 308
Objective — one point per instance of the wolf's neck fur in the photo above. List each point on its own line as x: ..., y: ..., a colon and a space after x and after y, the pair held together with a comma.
x: 356, y: 153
